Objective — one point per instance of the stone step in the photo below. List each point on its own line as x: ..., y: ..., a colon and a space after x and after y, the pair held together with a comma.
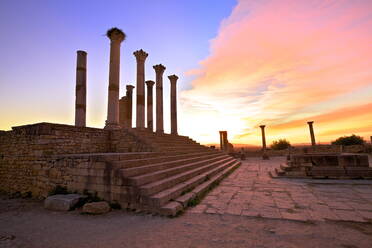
x: 181, y: 149
x: 163, y: 184
x: 159, y: 199
x: 181, y: 203
x: 131, y: 163
x: 328, y: 171
x: 172, y: 144
x: 165, y: 163
x: 111, y: 157
x: 279, y: 172
x: 176, y: 168
x: 359, y: 172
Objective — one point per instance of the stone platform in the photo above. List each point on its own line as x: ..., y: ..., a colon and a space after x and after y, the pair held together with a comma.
x: 326, y: 165
x: 251, y: 191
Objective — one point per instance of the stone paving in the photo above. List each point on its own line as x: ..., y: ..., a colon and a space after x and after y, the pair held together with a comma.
x: 250, y: 191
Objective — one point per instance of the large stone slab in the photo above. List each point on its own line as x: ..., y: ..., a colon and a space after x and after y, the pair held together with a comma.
x: 62, y: 202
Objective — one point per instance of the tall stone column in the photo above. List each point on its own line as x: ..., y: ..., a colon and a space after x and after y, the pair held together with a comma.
x: 264, y: 155
x: 173, y: 103
x: 225, y: 141
x: 150, y: 122
x: 140, y: 108
x: 129, y: 95
x: 310, y: 123
x: 159, y: 70
x: 123, y: 109
x: 81, y: 89
x: 116, y: 36
x: 221, y: 140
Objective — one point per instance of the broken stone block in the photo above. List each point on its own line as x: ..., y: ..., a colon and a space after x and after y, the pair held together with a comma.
x: 96, y: 207
x: 62, y: 202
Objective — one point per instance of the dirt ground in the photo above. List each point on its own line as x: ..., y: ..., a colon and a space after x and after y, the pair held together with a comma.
x: 25, y: 223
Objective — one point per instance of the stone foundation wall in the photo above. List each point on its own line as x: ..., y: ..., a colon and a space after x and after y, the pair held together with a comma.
x: 27, y: 154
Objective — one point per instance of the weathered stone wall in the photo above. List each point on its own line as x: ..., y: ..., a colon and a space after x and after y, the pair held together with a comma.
x: 27, y: 153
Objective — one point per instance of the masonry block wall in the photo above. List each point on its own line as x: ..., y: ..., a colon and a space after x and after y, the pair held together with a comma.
x: 27, y: 153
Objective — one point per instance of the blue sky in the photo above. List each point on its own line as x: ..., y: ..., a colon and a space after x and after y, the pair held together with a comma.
x: 40, y: 38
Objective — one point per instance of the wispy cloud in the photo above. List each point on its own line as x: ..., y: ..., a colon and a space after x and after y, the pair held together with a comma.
x: 273, y: 59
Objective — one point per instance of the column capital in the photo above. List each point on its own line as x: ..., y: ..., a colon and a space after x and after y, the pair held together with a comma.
x: 129, y: 87
x: 81, y: 52
x: 140, y: 55
x: 150, y: 83
x: 310, y: 122
x: 173, y: 78
x: 159, y: 68
x: 115, y: 35
x: 262, y: 126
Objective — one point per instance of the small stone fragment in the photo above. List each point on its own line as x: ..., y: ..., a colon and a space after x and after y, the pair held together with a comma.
x: 96, y: 207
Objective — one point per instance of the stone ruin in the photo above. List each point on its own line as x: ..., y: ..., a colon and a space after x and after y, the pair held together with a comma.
x: 326, y: 165
x: 134, y: 167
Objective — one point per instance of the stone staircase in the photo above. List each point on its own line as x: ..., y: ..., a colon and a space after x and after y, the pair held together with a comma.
x: 165, y: 181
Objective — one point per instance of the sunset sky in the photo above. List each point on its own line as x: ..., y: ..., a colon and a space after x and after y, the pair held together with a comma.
x: 241, y: 63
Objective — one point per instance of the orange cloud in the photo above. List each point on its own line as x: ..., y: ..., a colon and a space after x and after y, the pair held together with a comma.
x: 279, y: 61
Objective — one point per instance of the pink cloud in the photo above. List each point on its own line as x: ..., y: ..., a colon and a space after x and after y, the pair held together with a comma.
x: 272, y: 59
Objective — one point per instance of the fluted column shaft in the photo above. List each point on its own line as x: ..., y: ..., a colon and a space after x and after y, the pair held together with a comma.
x: 123, y: 109
x: 312, y: 136
x: 159, y: 70
x: 140, y: 108
x: 128, y: 114
x: 150, y: 121
x: 81, y: 89
x: 173, y: 103
x: 113, y: 89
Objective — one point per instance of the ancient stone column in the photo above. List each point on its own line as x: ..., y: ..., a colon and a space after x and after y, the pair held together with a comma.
x: 173, y: 103
x: 311, y: 132
x: 264, y: 155
x: 221, y: 140
x: 123, y: 105
x: 116, y: 36
x: 159, y: 70
x: 140, y: 108
x: 225, y: 141
x: 129, y: 95
x: 150, y: 122
x: 81, y: 89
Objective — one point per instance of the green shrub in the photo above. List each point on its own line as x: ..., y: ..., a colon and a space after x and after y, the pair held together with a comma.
x: 280, y: 144
x: 349, y: 140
